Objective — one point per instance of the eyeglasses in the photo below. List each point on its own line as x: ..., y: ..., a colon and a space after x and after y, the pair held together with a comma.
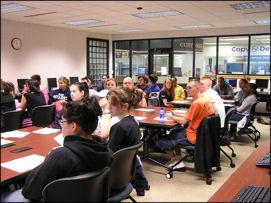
x: 62, y: 121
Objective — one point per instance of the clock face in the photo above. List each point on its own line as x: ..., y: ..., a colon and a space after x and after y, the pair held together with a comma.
x: 16, y: 43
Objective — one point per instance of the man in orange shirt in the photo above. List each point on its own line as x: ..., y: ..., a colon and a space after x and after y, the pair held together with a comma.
x: 200, y: 108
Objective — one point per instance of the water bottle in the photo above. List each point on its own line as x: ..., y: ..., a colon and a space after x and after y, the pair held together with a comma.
x: 162, y: 113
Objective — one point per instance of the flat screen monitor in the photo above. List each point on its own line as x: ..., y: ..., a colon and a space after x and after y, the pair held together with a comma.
x: 262, y: 83
x: 232, y: 81
x: 235, y: 68
x: 74, y: 79
x: 52, y: 83
x: 141, y: 70
x: 21, y: 83
x: 177, y: 71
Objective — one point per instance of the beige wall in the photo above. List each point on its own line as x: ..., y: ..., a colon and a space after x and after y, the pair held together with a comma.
x: 48, y: 51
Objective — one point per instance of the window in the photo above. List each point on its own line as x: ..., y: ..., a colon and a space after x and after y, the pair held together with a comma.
x: 122, y: 64
x: 260, y: 55
x: 233, y: 52
x: 97, y: 60
x: 205, y: 58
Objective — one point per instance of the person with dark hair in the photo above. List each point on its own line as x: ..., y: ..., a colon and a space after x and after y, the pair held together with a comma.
x: 82, y: 152
x: 43, y: 90
x: 125, y: 132
x: 152, y: 86
x: 101, y: 84
x: 62, y: 93
x: 241, y: 95
x: 179, y: 93
x: 142, y: 83
x: 89, y: 81
x: 32, y: 96
x: 244, y: 109
x: 79, y: 91
x: 224, y: 89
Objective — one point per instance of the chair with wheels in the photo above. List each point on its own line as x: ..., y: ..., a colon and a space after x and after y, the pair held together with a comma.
x: 90, y: 187
x: 153, y: 99
x: 44, y: 115
x: 225, y: 136
x: 249, y: 128
x: 122, y: 171
x: 206, y: 151
x: 12, y: 120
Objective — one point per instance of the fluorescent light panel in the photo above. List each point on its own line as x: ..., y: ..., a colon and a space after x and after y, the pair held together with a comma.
x: 193, y: 26
x: 234, y: 39
x: 83, y: 22
x: 40, y: 14
x: 13, y: 7
x: 251, y: 5
x: 262, y: 21
x: 158, y: 14
x: 214, y: 43
x: 131, y: 30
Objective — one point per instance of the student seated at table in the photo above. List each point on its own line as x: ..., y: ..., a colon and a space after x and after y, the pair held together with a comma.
x: 179, y: 93
x: 224, y: 89
x: 243, y: 111
x: 128, y: 83
x: 152, y: 86
x: 200, y: 108
x: 79, y: 90
x: 82, y: 151
x: 241, y: 95
x: 89, y: 81
x: 166, y: 94
x: 142, y: 83
x: 125, y: 132
x: 42, y: 89
x: 62, y: 93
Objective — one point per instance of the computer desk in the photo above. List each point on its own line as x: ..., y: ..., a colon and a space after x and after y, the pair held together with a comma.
x: 41, y: 145
x: 246, y: 174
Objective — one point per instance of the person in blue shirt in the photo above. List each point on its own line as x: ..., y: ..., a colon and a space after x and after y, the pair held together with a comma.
x: 101, y: 84
x: 152, y: 86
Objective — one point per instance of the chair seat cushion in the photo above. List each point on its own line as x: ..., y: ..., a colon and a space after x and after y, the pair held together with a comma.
x: 15, y: 196
x: 117, y: 196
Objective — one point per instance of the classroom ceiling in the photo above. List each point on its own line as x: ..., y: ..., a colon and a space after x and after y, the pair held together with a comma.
x: 117, y: 17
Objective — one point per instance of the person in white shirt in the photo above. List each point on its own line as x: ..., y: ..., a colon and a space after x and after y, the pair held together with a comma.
x: 206, y: 90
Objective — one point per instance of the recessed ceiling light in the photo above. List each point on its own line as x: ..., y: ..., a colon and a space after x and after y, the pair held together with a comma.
x: 83, y: 22
x: 102, y: 25
x: 263, y: 21
x: 131, y: 30
x: 13, y: 7
x: 251, y: 5
x: 157, y: 14
x: 193, y: 26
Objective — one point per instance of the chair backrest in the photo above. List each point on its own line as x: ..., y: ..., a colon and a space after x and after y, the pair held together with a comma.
x: 43, y: 115
x: 252, y: 112
x: 122, y: 166
x: 153, y: 99
x: 227, y: 119
x: 90, y: 187
x: 12, y: 120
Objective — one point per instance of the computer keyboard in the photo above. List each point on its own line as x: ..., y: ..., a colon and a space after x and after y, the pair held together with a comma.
x: 264, y: 161
x: 253, y: 194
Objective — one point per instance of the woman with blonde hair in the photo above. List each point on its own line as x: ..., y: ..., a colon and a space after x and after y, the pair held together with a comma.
x: 63, y: 92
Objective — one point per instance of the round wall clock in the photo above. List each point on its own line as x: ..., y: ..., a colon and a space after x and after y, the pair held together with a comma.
x: 16, y: 43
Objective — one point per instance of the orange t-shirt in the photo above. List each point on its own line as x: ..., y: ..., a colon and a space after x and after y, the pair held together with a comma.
x: 199, y: 109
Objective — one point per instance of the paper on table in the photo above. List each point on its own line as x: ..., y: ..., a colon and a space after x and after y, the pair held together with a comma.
x: 180, y: 111
x: 24, y: 164
x: 14, y: 133
x: 139, y: 118
x: 59, y: 139
x: 159, y: 119
x: 146, y: 110
x: 4, y: 142
x: 46, y: 131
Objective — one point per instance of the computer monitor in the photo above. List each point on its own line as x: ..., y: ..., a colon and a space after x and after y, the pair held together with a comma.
x: 235, y: 68
x: 141, y: 70
x: 231, y: 81
x: 21, y: 83
x: 74, y: 79
x: 262, y: 83
x: 52, y: 83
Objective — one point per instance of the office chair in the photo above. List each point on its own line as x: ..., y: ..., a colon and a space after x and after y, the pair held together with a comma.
x: 225, y: 136
x: 249, y: 128
x: 12, y: 120
x: 90, y: 187
x: 206, y: 150
x: 122, y: 172
x: 153, y: 99
x: 44, y: 115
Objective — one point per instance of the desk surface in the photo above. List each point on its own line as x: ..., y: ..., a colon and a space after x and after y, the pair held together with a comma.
x: 41, y: 145
x: 246, y: 174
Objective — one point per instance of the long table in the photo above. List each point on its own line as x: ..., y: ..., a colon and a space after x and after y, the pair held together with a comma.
x: 246, y: 174
x: 187, y: 102
x: 41, y: 145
